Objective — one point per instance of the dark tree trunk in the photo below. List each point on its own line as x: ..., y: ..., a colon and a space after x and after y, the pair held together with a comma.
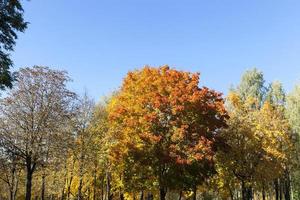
x: 121, y: 196
x: 94, y: 184
x: 28, y: 185
x: 162, y: 193
x: 79, y: 195
x: 287, y: 186
x: 180, y: 195
x: 263, y: 193
x: 14, y: 182
x: 30, y: 167
x: 195, y: 193
x: 149, y: 196
x: 280, y: 189
x: 108, y: 187
x: 43, y: 187
x: 102, y: 188
x: 65, y: 182
x: 276, y: 189
x: 231, y: 194
x: 246, y: 192
x: 142, y: 195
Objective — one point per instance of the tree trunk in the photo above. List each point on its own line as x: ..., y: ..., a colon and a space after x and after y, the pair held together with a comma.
x: 29, y: 172
x: 102, y: 188
x: 276, y: 189
x: 121, y: 196
x: 65, y: 182
x: 79, y: 195
x: 287, y: 186
x: 195, y: 193
x: 94, y: 184
x: 280, y: 189
x: 142, y: 195
x: 108, y: 187
x: 246, y: 192
x: 162, y: 193
x: 263, y: 193
x: 43, y: 187
x: 149, y: 196
x: 70, y: 181
x: 180, y: 195
x: 13, y: 182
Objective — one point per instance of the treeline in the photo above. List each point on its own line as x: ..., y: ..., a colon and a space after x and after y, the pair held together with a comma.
x: 160, y: 136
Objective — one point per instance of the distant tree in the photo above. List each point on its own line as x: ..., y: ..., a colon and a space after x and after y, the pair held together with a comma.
x: 84, y: 139
x: 252, y: 85
x: 34, y: 117
x: 276, y: 94
x: 11, y: 22
x: 293, y: 114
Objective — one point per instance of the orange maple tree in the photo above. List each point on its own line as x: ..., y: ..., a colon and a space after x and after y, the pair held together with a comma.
x: 161, y: 118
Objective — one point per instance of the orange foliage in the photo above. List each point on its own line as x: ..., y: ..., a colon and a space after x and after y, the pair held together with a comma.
x: 164, y: 111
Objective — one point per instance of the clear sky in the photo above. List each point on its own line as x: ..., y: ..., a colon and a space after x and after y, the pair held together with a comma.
x: 98, y: 41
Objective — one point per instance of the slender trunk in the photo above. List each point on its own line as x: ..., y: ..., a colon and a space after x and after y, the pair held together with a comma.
x: 287, y: 185
x: 263, y: 192
x: 65, y: 183
x: 162, y: 193
x: 70, y: 181
x: 180, y: 195
x: 11, y: 194
x: 231, y: 193
x: 195, y: 193
x: 13, y: 182
x: 142, y: 195
x: 94, y: 184
x: 29, y: 173
x: 108, y: 187
x: 149, y: 196
x: 276, y: 189
x: 43, y: 187
x: 280, y: 189
x: 246, y: 192
x: 79, y: 196
x: 102, y: 188
x: 121, y: 196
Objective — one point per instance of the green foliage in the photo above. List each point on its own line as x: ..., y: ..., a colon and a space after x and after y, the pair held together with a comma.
x: 293, y: 114
x: 252, y: 85
x: 11, y: 22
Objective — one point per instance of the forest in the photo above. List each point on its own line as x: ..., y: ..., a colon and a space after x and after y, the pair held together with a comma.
x: 162, y: 135
x: 159, y: 136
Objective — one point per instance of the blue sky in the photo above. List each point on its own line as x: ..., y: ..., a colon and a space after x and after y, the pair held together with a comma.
x: 99, y: 41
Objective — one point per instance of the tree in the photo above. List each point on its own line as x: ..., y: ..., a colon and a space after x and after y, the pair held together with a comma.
x: 34, y: 117
x: 293, y: 114
x: 84, y: 138
x: 252, y: 85
x: 259, y: 143
x: 11, y: 22
x: 258, y: 136
x: 161, y: 118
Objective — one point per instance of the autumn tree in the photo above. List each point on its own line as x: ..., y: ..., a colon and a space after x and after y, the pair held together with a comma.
x: 258, y: 137
x: 34, y: 116
x: 161, y: 118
